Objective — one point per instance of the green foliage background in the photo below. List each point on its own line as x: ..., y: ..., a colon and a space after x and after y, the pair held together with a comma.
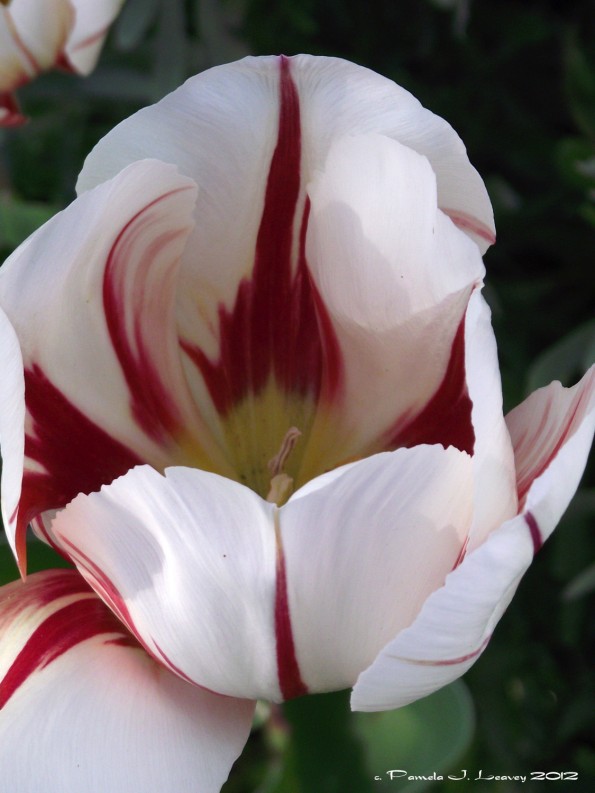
x: 517, y: 80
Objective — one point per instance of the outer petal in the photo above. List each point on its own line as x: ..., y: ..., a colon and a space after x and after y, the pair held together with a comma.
x: 541, y: 425
x: 31, y: 38
x: 188, y: 562
x: 84, y: 708
x: 395, y: 276
x: 456, y: 623
x: 106, y: 373
x: 93, y: 18
x: 364, y: 551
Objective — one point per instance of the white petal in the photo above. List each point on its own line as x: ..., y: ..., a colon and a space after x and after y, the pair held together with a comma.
x: 541, y: 424
x: 188, y: 561
x: 363, y: 553
x: 85, y: 708
x: 92, y: 20
x: 456, y: 622
x: 12, y: 427
x: 493, y: 459
x: 395, y: 276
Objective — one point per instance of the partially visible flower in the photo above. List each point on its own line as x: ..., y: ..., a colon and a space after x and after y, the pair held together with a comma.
x: 37, y: 35
x: 251, y: 370
x: 101, y: 714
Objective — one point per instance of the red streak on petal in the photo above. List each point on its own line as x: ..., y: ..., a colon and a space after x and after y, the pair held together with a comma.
x: 152, y: 405
x: 541, y: 440
x: 288, y: 671
x: 103, y: 585
x: 278, y: 324
x: 535, y: 531
x: 64, y: 629
x: 77, y: 455
x: 450, y: 661
x: 446, y: 418
x: 462, y: 553
x: 468, y: 223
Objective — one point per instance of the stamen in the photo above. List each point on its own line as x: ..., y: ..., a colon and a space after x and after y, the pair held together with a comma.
x: 281, y: 483
x: 277, y: 463
x: 281, y: 487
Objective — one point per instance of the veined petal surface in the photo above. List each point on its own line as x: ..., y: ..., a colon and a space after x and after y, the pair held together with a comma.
x: 188, y: 562
x: 457, y: 621
x: 83, y: 707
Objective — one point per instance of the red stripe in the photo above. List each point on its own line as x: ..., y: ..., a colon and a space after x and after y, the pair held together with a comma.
x: 77, y: 455
x: 288, y: 671
x: 278, y: 324
x: 534, y: 530
x: 61, y: 631
x: 541, y: 437
x: 151, y: 403
x: 446, y: 418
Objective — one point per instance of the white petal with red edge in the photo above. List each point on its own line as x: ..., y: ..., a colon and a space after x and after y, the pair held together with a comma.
x: 456, y: 622
x: 395, y: 277
x: 188, y: 561
x: 541, y: 424
x: 84, y: 708
x: 12, y: 424
x: 32, y: 36
x: 363, y: 552
x: 92, y: 20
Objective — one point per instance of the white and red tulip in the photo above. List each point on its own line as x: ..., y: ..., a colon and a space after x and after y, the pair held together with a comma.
x: 38, y: 35
x: 250, y: 388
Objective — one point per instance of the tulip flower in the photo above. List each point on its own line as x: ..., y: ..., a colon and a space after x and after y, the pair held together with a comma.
x: 37, y: 35
x: 251, y: 390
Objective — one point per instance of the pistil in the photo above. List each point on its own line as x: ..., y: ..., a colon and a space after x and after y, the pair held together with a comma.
x: 282, y: 484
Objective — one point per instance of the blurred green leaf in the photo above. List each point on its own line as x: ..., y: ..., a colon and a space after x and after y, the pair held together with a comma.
x: 580, y: 83
x: 169, y: 66
x: 39, y: 557
x: 571, y: 355
x: 583, y: 584
x: 428, y: 736
x: 134, y: 22
x: 325, y: 755
x: 19, y: 219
